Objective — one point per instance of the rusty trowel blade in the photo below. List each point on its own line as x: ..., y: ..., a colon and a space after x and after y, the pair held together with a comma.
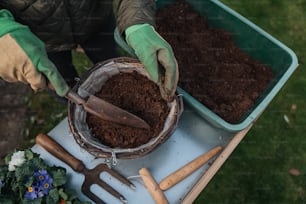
x: 110, y: 112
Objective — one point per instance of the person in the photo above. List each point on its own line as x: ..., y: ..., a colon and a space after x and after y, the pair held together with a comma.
x: 37, y: 37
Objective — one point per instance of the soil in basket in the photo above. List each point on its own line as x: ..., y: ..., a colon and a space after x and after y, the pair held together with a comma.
x: 138, y: 95
x: 212, y: 68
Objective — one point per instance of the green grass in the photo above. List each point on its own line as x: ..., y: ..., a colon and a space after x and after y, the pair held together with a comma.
x: 258, y: 169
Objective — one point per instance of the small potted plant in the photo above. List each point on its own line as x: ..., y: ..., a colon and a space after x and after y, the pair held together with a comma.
x: 26, y: 178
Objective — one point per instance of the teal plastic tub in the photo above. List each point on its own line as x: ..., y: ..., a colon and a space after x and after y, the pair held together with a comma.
x: 251, y: 39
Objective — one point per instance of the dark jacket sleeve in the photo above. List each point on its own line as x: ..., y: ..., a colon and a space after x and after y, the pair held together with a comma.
x: 131, y: 12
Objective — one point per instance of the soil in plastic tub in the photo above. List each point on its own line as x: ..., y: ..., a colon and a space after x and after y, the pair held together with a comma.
x: 212, y: 68
x: 138, y: 95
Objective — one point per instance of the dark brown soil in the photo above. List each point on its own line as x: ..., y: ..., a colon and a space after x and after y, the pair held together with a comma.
x: 212, y: 68
x: 138, y: 95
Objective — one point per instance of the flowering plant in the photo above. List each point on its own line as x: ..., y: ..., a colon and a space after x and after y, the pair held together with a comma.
x: 26, y: 178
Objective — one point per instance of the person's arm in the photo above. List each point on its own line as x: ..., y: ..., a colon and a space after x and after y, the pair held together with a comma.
x: 133, y: 12
x: 135, y: 21
x: 24, y: 58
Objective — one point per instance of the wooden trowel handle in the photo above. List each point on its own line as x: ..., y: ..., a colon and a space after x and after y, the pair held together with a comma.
x: 187, y: 169
x: 58, y: 151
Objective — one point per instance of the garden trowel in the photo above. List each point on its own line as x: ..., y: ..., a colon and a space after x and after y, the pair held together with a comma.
x: 107, y: 111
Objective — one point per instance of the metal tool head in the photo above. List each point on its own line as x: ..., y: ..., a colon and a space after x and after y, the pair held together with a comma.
x: 92, y: 176
x: 113, y: 113
x: 107, y: 111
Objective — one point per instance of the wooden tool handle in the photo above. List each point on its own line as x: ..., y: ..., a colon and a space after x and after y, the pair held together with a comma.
x: 153, y: 188
x: 187, y: 169
x: 58, y: 151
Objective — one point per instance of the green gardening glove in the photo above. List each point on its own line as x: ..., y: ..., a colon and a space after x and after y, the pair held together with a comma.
x: 24, y: 58
x: 156, y: 55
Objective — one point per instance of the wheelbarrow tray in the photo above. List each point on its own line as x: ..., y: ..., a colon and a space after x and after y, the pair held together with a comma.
x: 193, y: 137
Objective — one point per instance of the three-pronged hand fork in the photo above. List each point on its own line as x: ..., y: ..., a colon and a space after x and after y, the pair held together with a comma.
x: 92, y: 176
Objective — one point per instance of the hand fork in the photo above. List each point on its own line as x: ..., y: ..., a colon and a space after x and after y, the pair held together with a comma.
x: 92, y: 176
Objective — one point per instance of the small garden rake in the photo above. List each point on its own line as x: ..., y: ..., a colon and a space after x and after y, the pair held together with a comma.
x: 92, y: 176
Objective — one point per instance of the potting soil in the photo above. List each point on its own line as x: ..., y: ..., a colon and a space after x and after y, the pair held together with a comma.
x: 212, y: 68
x: 138, y: 95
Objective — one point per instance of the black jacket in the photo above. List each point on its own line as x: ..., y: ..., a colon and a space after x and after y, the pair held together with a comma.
x: 62, y: 24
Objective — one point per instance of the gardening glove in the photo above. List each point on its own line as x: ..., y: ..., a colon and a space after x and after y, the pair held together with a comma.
x: 156, y: 55
x: 24, y: 58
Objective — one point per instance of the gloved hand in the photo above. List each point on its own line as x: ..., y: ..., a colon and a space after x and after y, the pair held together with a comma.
x: 156, y: 55
x: 24, y: 58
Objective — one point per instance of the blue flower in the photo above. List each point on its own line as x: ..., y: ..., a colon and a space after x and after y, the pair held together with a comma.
x: 31, y: 193
x: 44, y: 181
x: 1, y: 184
x: 46, y: 185
x: 41, y: 185
x: 41, y: 175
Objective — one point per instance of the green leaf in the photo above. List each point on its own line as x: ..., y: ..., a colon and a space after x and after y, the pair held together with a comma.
x: 59, y: 176
x: 52, y: 197
x: 71, y: 194
x: 6, y: 200
x: 37, y: 163
x: 28, y: 154
x: 62, y: 194
x: 15, y: 186
x: 22, y: 172
x: 7, y: 158
x: 29, y: 182
x: 35, y: 201
x: 3, y: 172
